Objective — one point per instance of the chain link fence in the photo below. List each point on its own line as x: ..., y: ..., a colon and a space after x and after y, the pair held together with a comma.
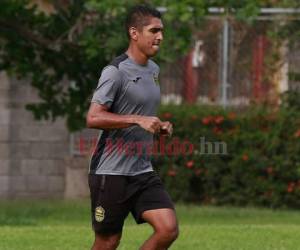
x: 232, y: 64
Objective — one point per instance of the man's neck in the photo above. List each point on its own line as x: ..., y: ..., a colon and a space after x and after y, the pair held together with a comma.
x: 137, y: 55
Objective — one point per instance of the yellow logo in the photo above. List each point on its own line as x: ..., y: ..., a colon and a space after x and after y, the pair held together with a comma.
x: 99, y: 214
x: 155, y: 79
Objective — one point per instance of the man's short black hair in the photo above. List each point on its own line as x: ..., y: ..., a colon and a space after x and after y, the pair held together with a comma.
x: 138, y: 16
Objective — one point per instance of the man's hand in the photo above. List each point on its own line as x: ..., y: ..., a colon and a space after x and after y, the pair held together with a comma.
x: 150, y: 123
x: 154, y: 125
x: 166, y: 128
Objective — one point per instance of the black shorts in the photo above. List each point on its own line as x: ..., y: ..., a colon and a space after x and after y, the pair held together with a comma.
x: 114, y: 196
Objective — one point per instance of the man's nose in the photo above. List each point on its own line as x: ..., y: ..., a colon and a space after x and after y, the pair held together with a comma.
x: 160, y: 36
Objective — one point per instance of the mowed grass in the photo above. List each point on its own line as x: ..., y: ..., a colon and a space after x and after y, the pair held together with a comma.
x: 50, y: 225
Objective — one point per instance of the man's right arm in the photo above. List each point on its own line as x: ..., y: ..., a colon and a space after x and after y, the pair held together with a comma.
x: 100, y: 118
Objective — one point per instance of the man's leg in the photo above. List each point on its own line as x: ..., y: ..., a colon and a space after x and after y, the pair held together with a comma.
x: 108, y: 213
x: 165, y: 227
x: 106, y: 242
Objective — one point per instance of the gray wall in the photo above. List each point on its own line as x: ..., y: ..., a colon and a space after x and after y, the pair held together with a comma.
x: 33, y: 154
x: 4, y: 136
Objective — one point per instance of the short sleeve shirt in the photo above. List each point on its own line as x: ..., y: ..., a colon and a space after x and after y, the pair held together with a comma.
x: 126, y: 88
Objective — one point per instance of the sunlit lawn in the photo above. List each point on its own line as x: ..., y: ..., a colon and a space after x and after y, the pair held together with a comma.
x: 50, y: 225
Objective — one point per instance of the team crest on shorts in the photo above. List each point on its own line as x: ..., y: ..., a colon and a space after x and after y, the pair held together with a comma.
x: 99, y: 214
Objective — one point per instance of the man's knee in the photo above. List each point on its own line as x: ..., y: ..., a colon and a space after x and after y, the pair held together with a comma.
x: 112, y: 243
x: 168, y: 233
x: 106, y: 242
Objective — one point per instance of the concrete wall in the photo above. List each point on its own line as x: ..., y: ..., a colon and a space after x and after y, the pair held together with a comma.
x: 5, y: 115
x: 76, y: 181
x: 32, y: 153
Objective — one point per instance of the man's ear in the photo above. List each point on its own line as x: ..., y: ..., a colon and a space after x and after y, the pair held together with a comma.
x: 133, y: 32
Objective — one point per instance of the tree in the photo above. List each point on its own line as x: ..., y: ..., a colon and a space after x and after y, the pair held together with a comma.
x: 62, y: 53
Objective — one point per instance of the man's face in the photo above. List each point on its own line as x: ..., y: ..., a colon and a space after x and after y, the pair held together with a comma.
x: 149, y: 38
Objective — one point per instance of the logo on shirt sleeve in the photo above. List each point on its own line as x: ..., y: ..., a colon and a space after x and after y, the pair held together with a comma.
x: 136, y: 79
x: 155, y: 78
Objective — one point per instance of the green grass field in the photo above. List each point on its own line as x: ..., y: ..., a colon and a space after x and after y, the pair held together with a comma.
x: 66, y: 225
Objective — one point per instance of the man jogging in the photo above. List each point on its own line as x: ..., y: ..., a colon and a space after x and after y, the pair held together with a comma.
x: 121, y: 177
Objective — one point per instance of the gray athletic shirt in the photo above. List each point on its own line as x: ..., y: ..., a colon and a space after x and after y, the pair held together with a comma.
x: 126, y: 87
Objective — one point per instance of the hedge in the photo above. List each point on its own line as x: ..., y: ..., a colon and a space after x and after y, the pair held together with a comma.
x: 255, y: 160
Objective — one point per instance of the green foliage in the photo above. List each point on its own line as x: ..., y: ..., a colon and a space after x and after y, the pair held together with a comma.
x: 291, y: 100
x: 63, y: 52
x: 261, y: 167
